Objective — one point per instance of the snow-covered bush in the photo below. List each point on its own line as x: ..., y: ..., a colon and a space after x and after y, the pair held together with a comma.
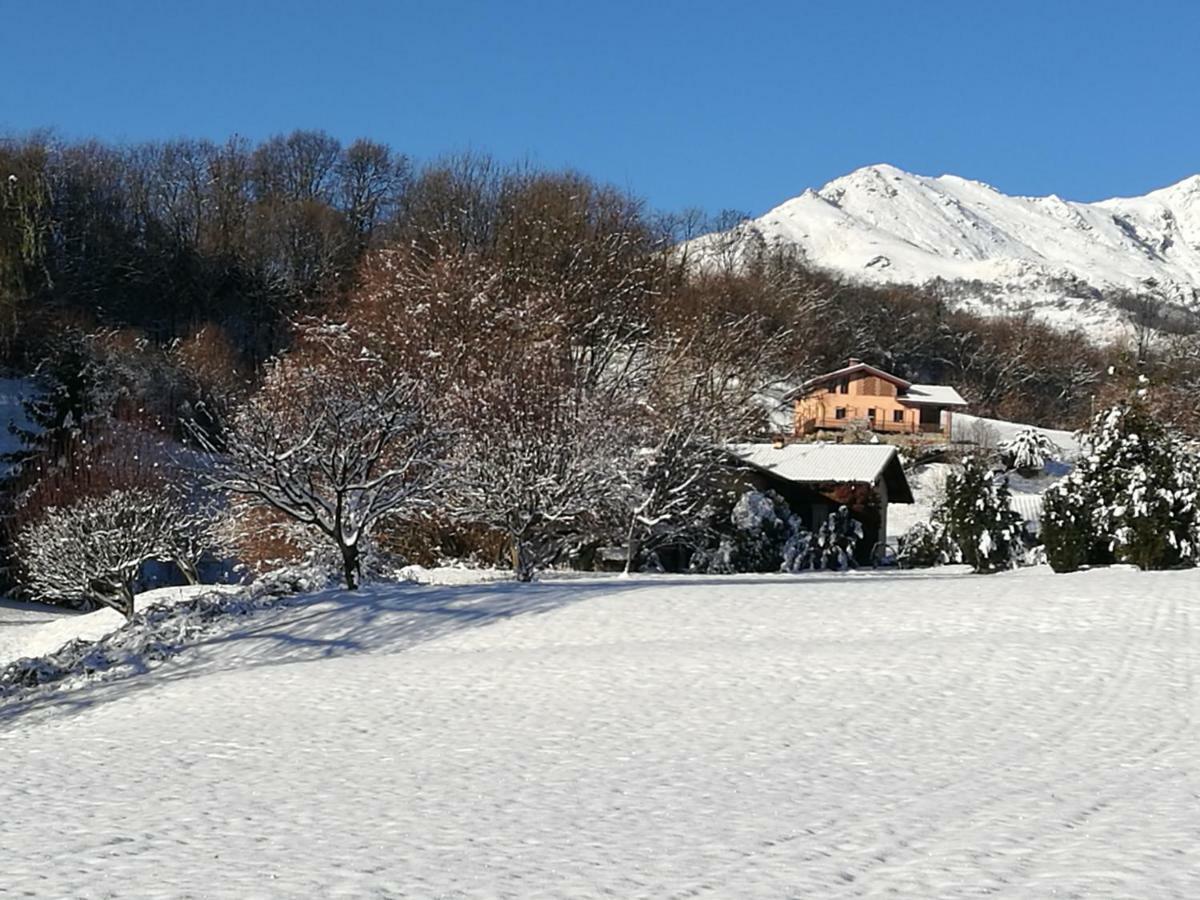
x: 1067, y: 528
x: 1028, y: 451
x: 95, y: 548
x: 1133, y: 497
x: 980, y: 520
x: 927, y: 544
x: 156, y: 633
x: 767, y: 537
x: 799, y: 551
x: 761, y: 526
x: 836, y: 540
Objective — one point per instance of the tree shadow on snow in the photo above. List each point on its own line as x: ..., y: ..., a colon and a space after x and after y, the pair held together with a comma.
x: 381, y: 618
x: 391, y: 618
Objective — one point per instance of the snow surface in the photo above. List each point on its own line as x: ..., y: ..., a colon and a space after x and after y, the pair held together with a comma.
x: 31, y: 629
x: 884, y: 225
x: 963, y: 427
x: 914, y: 734
x: 928, y: 484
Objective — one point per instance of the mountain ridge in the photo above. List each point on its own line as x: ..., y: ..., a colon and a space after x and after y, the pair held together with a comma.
x: 1063, y: 260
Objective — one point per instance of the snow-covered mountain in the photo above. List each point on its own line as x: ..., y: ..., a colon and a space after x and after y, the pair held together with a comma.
x: 1058, y: 257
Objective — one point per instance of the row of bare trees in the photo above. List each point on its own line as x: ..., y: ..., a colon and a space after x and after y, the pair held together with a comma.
x: 365, y: 346
x: 580, y: 394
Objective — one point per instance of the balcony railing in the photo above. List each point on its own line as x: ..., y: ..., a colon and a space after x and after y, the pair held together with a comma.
x: 831, y: 423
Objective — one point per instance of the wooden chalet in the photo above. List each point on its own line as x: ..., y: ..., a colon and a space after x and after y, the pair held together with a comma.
x: 884, y: 402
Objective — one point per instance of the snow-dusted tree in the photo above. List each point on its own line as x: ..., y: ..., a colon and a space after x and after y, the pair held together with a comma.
x: 679, y: 463
x: 335, y: 441
x: 927, y: 544
x: 672, y: 484
x: 541, y: 460
x: 1133, y: 497
x: 1029, y: 450
x: 832, y: 546
x: 540, y: 355
x: 702, y: 385
x: 767, y: 537
x: 95, y: 548
x: 1068, y: 529
x: 836, y: 541
x: 980, y: 519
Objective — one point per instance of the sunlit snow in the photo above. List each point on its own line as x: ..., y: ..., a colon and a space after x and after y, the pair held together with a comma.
x: 926, y: 734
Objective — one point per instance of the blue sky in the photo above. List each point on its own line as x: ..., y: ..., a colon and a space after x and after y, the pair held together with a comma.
x: 716, y: 105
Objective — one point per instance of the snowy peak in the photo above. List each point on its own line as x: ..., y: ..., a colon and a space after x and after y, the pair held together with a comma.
x: 994, y: 251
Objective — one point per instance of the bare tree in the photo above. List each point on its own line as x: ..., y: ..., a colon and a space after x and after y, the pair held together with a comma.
x: 336, y: 443
x: 707, y: 378
x: 95, y: 548
x: 542, y: 460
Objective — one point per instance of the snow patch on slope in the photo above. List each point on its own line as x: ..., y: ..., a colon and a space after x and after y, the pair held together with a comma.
x: 32, y: 630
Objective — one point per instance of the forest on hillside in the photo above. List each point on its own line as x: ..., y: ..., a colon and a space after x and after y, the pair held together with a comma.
x: 206, y: 295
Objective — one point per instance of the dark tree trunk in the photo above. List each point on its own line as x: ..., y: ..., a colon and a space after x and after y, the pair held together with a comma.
x: 188, y: 570
x: 522, y: 560
x: 631, y: 545
x: 112, y: 590
x: 125, y: 599
x: 351, y: 568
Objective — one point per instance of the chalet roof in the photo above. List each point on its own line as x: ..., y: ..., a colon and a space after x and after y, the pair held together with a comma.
x: 939, y: 394
x: 852, y: 369
x: 821, y: 463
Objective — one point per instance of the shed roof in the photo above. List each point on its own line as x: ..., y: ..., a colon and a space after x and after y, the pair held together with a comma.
x: 1028, y: 507
x: 821, y: 463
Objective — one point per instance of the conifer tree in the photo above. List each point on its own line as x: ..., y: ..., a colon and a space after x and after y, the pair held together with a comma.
x: 980, y: 519
x: 1132, y: 498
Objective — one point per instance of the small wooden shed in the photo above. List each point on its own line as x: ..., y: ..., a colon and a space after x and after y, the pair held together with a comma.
x: 815, y: 479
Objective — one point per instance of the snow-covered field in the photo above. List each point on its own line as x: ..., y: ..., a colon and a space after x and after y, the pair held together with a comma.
x: 914, y: 735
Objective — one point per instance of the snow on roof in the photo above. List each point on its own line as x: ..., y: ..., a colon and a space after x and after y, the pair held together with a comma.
x: 818, y: 463
x: 1028, y: 507
x: 941, y: 394
x: 853, y: 368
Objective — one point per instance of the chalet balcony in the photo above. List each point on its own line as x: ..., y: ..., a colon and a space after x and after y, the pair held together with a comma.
x: 911, y: 425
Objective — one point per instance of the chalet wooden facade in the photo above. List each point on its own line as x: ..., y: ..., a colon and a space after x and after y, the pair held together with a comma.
x: 884, y: 402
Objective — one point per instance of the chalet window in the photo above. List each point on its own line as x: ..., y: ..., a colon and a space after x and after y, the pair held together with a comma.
x: 844, y: 387
x: 897, y: 415
x: 833, y: 389
x: 840, y: 412
x: 871, y: 414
